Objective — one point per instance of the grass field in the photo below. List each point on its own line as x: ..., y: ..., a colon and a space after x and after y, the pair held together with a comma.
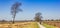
x: 53, y: 23
x: 24, y: 25
x: 20, y: 25
x: 49, y: 26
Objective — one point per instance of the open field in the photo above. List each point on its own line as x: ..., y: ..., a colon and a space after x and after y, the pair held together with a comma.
x: 20, y: 25
x: 31, y: 24
x: 49, y: 26
x: 53, y: 23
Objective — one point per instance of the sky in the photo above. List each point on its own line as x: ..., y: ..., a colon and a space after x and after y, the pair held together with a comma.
x: 50, y: 9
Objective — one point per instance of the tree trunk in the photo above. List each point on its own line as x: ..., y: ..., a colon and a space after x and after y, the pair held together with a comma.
x: 14, y: 18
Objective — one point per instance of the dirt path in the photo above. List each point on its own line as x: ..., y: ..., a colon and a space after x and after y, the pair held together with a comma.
x: 41, y: 26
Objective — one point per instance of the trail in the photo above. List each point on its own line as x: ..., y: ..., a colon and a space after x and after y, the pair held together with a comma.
x: 41, y: 26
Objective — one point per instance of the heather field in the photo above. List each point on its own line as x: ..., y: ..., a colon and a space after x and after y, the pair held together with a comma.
x: 20, y: 25
x: 53, y: 23
x: 25, y: 25
x: 49, y: 26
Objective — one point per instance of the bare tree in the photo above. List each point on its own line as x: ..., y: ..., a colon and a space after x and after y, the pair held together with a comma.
x: 38, y: 17
x: 15, y: 9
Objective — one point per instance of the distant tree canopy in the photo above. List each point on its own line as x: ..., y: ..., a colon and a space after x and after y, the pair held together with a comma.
x: 38, y: 17
x: 3, y: 20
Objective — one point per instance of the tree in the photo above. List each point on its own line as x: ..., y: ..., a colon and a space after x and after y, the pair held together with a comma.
x: 3, y: 21
x: 38, y: 17
x: 15, y: 9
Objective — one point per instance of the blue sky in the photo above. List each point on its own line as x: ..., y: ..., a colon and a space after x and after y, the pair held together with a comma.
x: 50, y: 9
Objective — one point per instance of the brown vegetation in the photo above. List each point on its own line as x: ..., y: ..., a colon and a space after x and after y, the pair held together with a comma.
x: 54, y: 23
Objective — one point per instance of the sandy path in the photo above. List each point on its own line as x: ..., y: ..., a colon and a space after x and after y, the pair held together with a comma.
x: 41, y: 26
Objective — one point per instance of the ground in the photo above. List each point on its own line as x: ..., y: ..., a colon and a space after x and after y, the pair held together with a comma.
x: 26, y: 25
x: 53, y: 23
x: 20, y: 25
x: 49, y: 26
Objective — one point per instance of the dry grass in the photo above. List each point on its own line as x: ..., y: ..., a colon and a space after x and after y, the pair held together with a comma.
x: 53, y: 23
x: 20, y: 25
